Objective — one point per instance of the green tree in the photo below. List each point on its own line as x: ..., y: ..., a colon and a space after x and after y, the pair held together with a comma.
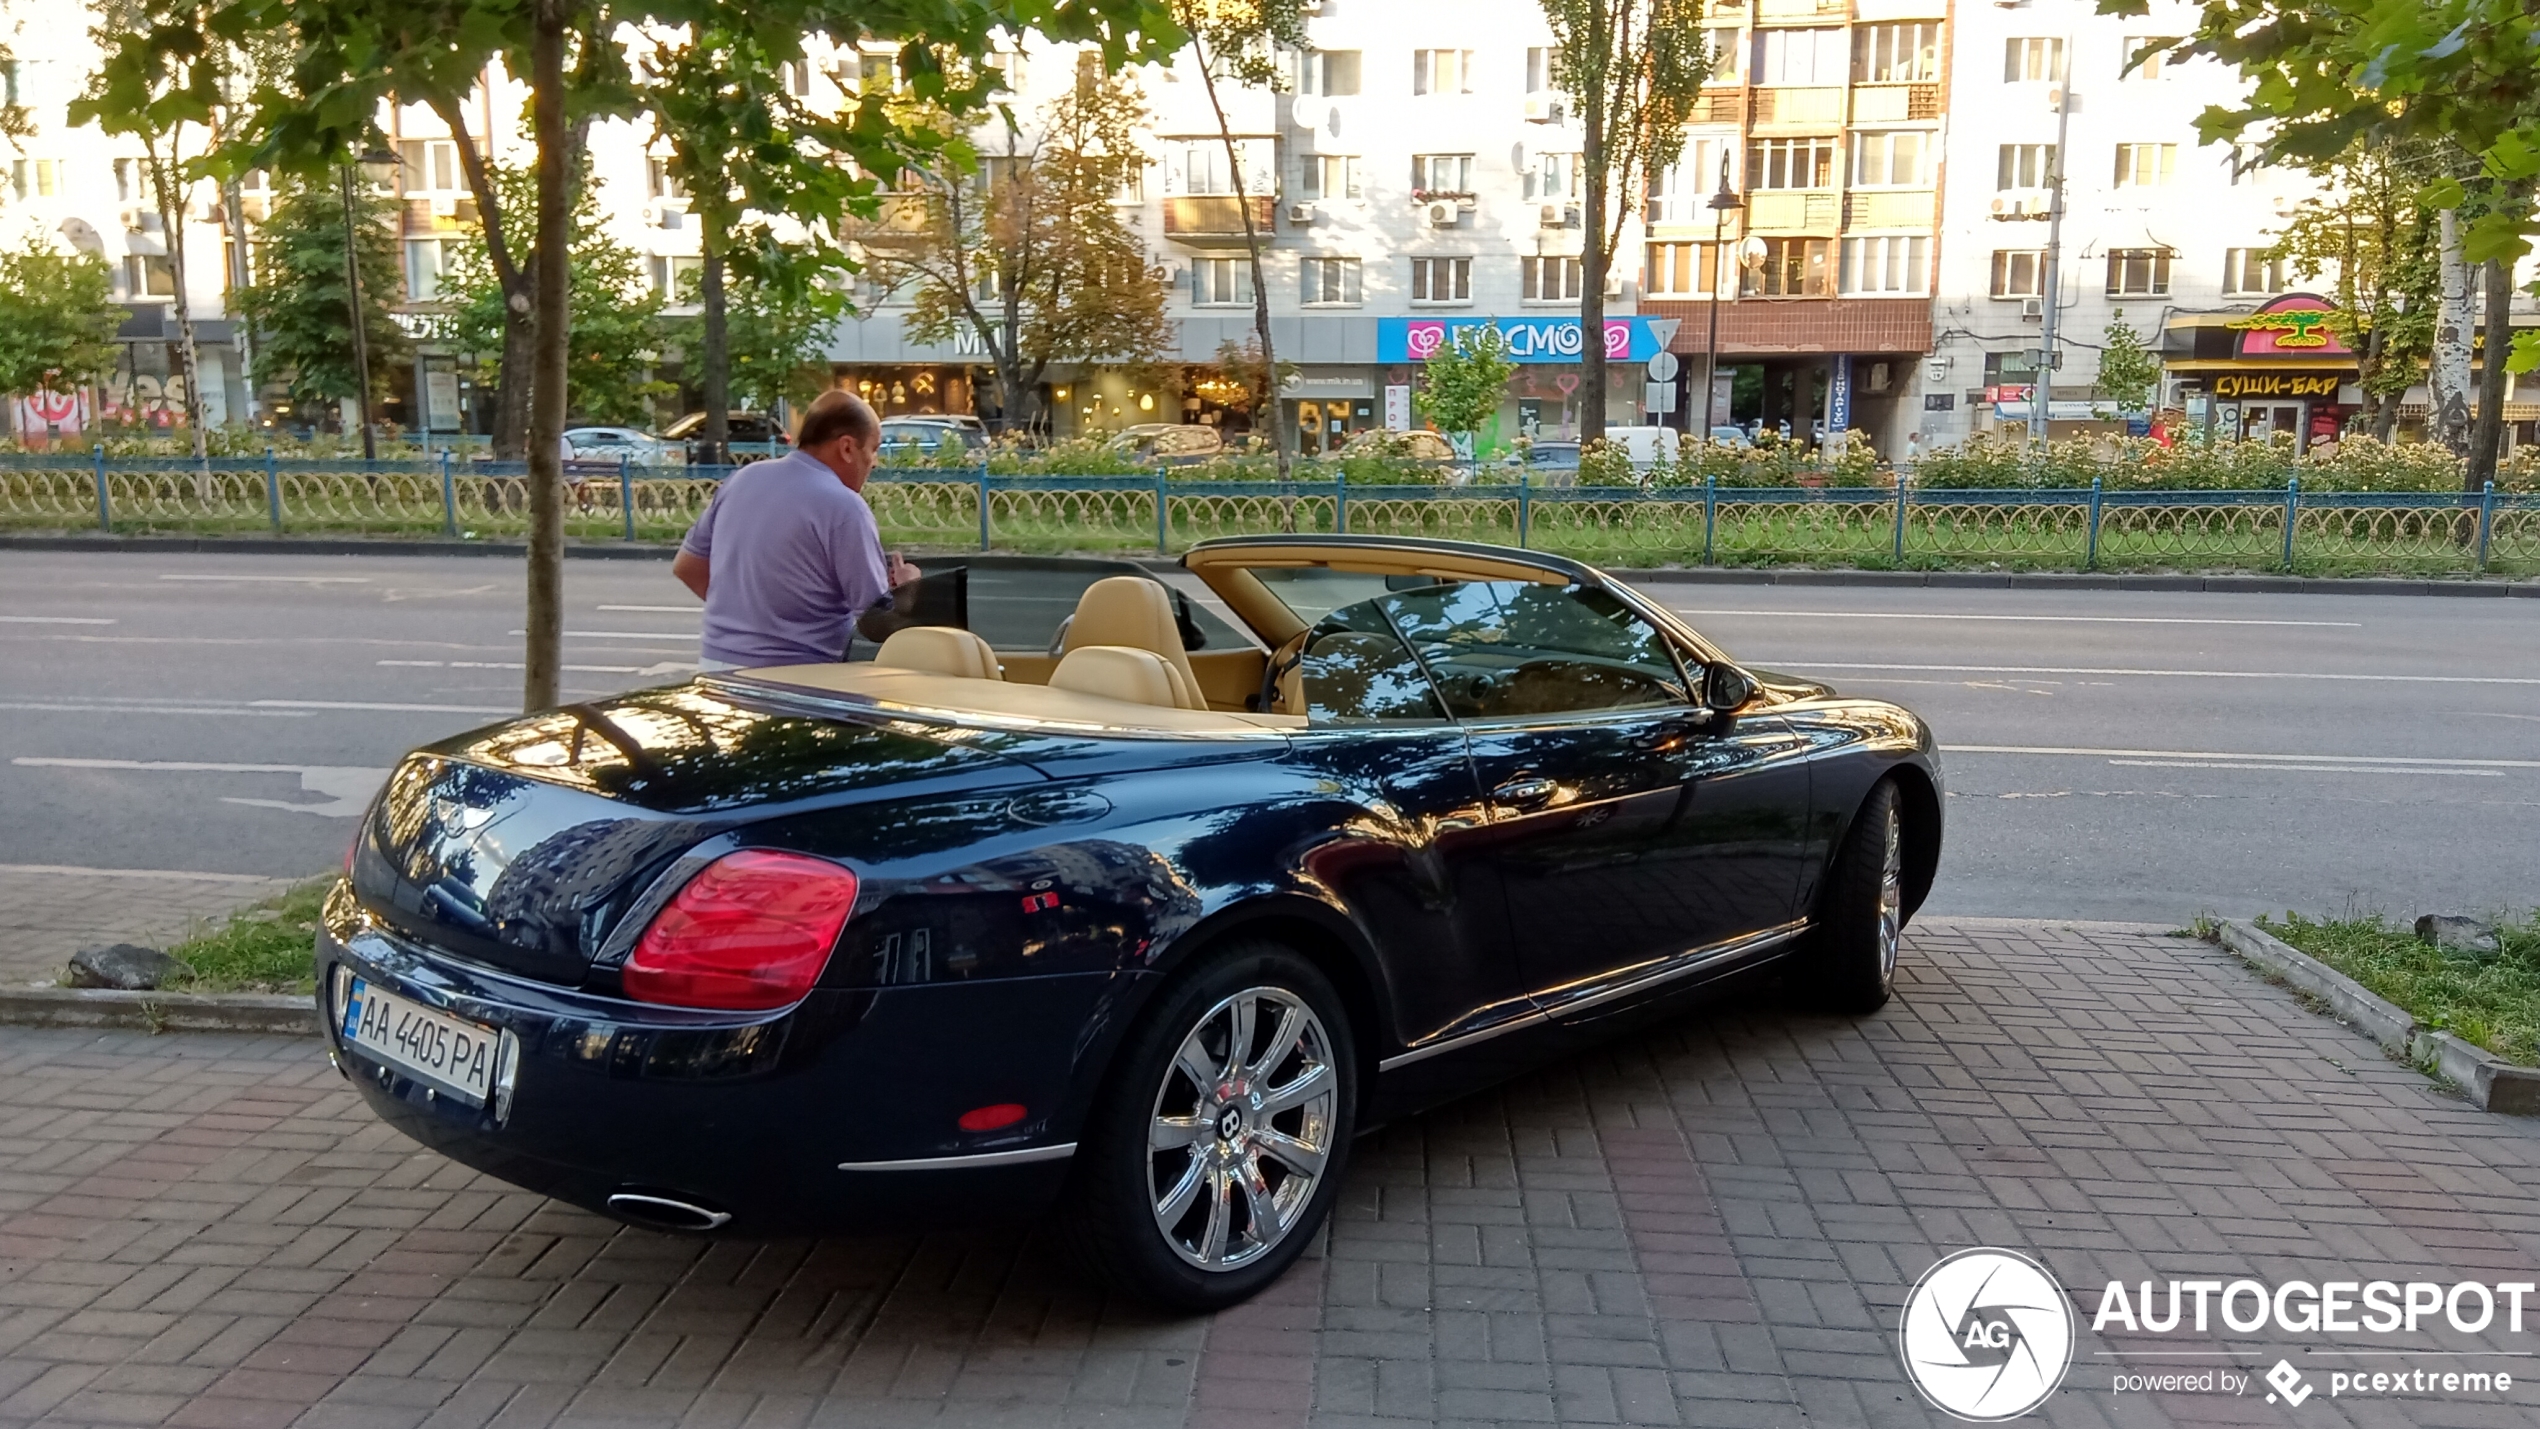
x: 2129, y: 373
x: 1632, y: 70
x: 57, y: 318
x: 1027, y: 251
x: 615, y: 316
x: 2373, y: 234
x: 1463, y: 382
x: 1236, y: 42
x: 788, y: 298
x: 298, y: 303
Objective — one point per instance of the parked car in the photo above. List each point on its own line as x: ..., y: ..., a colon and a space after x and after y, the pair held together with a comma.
x: 611, y: 443
x: 918, y: 438
x: 1419, y: 444
x: 753, y: 435
x: 1168, y: 441
x: 1649, y: 446
x: 1729, y: 436
x: 1078, y: 895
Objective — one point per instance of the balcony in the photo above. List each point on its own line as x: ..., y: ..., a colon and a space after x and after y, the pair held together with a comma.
x: 1768, y: 11
x: 900, y: 221
x: 1890, y: 103
x: 1719, y: 105
x: 444, y: 213
x: 1793, y: 210
x: 1818, y: 107
x: 1890, y: 208
x: 1214, y: 218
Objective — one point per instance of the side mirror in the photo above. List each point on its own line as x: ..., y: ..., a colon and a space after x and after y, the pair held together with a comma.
x: 1726, y: 688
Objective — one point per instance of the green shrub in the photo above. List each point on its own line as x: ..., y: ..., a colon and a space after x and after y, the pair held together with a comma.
x: 2494, y: 1003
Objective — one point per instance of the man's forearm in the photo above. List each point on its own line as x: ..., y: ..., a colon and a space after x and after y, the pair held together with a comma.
x: 692, y: 572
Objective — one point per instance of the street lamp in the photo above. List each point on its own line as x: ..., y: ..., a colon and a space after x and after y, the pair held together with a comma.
x: 379, y: 167
x: 1723, y: 203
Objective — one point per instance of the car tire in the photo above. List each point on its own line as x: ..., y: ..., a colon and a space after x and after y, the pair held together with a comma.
x: 1191, y: 1153
x: 1861, y: 915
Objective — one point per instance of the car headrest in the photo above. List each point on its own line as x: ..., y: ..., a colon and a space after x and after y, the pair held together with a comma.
x: 1131, y: 611
x: 940, y: 649
x: 1118, y: 672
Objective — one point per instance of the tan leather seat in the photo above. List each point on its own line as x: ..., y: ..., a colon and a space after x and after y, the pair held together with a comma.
x: 1119, y: 672
x: 941, y: 650
x: 1135, y: 612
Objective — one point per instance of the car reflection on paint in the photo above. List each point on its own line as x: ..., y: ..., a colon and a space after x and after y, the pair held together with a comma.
x: 1092, y: 893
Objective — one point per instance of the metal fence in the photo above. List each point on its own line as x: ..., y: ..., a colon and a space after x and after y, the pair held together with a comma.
x: 2085, y: 528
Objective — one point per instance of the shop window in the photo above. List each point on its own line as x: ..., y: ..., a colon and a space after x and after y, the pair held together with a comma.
x: 1889, y: 266
x: 1550, y: 280
x: 2019, y: 273
x: 1441, y: 280
x: 1328, y: 282
x: 2138, y: 272
x: 1792, y: 268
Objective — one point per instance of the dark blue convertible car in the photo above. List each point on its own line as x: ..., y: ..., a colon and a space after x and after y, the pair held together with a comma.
x: 1091, y: 890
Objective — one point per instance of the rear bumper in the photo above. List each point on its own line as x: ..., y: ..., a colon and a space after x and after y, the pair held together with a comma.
x: 838, y: 1114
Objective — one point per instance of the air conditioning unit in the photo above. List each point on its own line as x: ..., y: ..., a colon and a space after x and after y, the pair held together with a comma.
x: 2023, y: 203
x: 135, y: 219
x: 652, y: 215
x: 2285, y: 205
x: 1442, y: 213
x: 1300, y: 213
x: 445, y: 205
x: 2032, y: 310
x: 1543, y: 109
x: 1558, y: 215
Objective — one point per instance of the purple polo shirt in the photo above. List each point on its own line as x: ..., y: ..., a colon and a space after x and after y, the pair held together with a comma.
x: 793, y: 558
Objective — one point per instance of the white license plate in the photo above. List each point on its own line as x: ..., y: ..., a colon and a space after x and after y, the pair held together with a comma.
x: 456, y: 1057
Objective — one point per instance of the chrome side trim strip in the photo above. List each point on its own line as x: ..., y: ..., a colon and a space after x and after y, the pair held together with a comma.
x: 980, y: 1162
x: 1666, y: 971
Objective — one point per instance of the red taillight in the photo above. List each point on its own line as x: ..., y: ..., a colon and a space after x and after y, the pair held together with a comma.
x: 749, y: 933
x: 993, y: 1118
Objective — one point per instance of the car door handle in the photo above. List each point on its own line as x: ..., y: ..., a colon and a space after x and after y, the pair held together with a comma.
x: 1528, y: 790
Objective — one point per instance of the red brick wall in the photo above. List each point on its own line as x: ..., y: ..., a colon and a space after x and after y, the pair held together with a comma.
x: 1772, y: 328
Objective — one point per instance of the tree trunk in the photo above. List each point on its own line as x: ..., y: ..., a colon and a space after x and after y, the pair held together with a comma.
x: 511, y: 398
x: 543, y: 652
x: 2448, y: 373
x: 167, y: 187
x: 1592, y: 265
x: 1269, y: 414
x: 234, y: 208
x: 2487, y: 432
x: 715, y: 358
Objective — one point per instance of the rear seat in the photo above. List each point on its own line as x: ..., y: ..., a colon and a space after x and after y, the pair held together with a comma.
x: 940, y: 650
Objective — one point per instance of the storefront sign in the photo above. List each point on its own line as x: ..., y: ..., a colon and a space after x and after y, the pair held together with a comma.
x: 1525, y: 339
x: 2296, y: 324
x: 1839, y: 394
x: 2243, y: 386
x: 1398, y: 408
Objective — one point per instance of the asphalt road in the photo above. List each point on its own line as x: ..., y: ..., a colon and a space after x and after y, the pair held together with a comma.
x: 2113, y: 755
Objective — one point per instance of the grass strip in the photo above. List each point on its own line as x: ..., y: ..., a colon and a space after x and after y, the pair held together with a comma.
x: 266, y: 946
x: 2493, y: 1002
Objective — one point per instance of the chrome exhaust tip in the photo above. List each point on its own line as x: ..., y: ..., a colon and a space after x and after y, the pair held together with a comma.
x: 665, y: 1212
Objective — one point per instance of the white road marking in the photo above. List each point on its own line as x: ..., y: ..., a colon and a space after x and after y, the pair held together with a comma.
x: 657, y: 609
x: 78, y: 707
x: 287, y: 580
x: 2068, y: 619
x: 508, y: 665
x: 384, y: 705
x: 347, y: 788
x: 65, y: 870
x: 2210, y: 754
x: 2311, y: 768
x: 52, y: 620
x: 2174, y: 674
x: 624, y: 634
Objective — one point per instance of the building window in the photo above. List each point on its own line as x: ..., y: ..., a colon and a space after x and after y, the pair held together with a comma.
x: 2032, y: 57
x: 1895, y: 266
x: 2241, y: 162
x: 2010, y: 369
x: 127, y: 181
x: 2024, y: 166
x: 1441, y: 175
x: 1683, y: 194
x: 660, y: 182
x: 9, y: 82
x: 1891, y: 159
x: 797, y: 75
x: 36, y: 178
x: 1538, y: 70
x: 1551, y: 280
x: 2152, y: 65
x: 1728, y: 55
x: 2019, y: 273
x: 1327, y: 72
x: 2138, y: 272
x: 1204, y: 168
x: 430, y: 166
x: 1904, y: 53
x: 1790, y: 164
x: 2141, y: 166
x: 149, y: 275
x: 672, y: 274
x: 1792, y: 268
x: 1441, y: 280
x: 1810, y: 56
x: 1554, y: 176
x: 1328, y: 282
x: 881, y: 73
x: 427, y: 261
x: 1328, y: 176
x: 1441, y: 71
x: 1680, y: 270
x: 2254, y: 271
x: 1221, y: 282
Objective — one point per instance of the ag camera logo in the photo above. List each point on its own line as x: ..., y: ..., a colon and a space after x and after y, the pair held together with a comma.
x: 1987, y: 1335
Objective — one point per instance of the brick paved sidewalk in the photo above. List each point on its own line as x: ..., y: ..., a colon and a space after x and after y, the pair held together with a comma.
x: 47, y: 914
x: 1713, y: 1223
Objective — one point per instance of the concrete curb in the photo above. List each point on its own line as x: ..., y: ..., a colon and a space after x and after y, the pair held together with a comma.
x: 158, y: 1011
x: 1653, y: 575
x: 2489, y: 1081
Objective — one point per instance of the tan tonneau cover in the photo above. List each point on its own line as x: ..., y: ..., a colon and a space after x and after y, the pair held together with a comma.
x: 1004, y: 703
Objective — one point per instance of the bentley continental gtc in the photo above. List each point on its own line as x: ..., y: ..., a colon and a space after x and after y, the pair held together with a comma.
x: 1092, y: 892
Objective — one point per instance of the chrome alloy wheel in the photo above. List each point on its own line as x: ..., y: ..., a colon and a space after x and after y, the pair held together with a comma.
x: 1891, y: 892
x: 1242, y: 1128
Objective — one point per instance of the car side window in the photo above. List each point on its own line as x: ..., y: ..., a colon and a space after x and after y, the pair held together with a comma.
x: 1354, y: 669
x: 1502, y: 649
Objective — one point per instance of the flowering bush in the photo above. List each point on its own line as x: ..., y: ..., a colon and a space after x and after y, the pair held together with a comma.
x: 2356, y: 463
